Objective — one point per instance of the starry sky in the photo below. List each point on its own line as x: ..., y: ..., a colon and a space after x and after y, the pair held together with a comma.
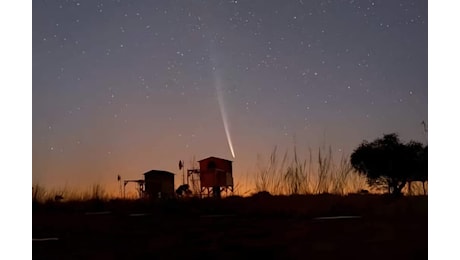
x: 123, y: 87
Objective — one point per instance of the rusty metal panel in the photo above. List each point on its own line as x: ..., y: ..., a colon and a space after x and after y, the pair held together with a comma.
x: 207, y: 179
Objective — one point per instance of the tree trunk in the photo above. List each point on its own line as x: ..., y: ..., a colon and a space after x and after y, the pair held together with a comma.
x: 409, y: 188
x: 397, y: 188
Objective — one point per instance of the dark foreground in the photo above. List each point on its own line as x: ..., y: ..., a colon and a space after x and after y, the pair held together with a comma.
x: 232, y: 228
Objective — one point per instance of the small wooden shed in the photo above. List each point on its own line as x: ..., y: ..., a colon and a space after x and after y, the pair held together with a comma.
x: 159, y: 184
x: 216, y: 174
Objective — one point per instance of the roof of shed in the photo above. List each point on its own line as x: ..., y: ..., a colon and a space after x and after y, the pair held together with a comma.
x: 212, y: 157
x: 158, y: 172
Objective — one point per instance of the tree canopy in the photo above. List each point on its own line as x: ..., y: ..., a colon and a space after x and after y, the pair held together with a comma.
x: 388, y: 163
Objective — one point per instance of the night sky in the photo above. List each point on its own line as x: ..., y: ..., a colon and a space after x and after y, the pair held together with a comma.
x: 123, y: 87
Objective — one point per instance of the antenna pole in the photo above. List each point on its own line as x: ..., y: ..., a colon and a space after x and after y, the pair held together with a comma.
x: 425, y: 129
x: 120, y: 189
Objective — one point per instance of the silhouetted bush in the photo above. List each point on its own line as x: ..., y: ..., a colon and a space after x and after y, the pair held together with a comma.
x: 389, y: 164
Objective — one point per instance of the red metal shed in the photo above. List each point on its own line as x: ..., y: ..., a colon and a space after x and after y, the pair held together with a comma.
x: 216, y: 172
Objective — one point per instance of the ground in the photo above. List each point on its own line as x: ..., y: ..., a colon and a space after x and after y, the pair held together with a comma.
x: 267, y: 227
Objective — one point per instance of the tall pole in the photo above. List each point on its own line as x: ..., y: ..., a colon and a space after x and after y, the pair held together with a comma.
x: 119, y: 185
x: 120, y: 188
x: 183, y: 175
x: 425, y: 130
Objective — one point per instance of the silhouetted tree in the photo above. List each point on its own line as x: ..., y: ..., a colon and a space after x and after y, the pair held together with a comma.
x: 419, y: 164
x: 424, y: 169
x: 388, y: 163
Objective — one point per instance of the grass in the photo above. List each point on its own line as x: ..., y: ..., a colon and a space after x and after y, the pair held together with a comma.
x: 290, y: 175
x: 287, y: 175
x: 276, y: 220
x: 255, y: 205
x: 42, y: 195
x: 317, y: 173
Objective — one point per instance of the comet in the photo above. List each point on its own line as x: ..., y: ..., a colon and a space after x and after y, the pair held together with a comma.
x: 223, y: 112
x: 220, y: 99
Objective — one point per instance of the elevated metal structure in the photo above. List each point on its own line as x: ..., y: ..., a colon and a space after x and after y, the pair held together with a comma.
x: 140, y: 187
x: 214, y: 177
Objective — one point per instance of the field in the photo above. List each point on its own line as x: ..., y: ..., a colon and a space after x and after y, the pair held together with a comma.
x: 266, y: 227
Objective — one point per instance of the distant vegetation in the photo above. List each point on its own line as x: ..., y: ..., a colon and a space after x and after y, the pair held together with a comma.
x: 40, y: 194
x: 384, y: 165
x: 317, y: 174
